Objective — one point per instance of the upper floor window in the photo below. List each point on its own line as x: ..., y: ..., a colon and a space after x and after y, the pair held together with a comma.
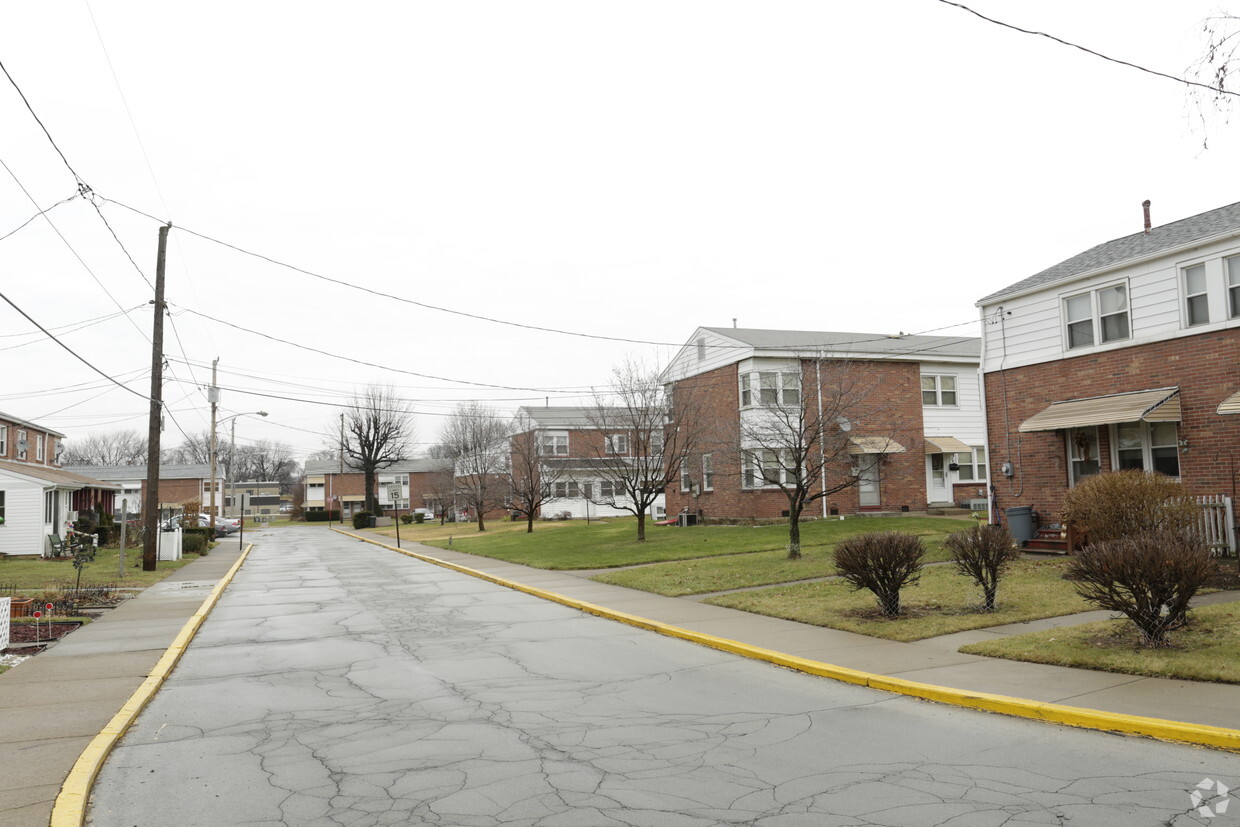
x: 4, y: 441
x: 21, y: 444
x: 972, y: 466
x: 701, y: 348
x: 656, y: 443
x: 1233, y: 287
x: 553, y: 445
x: 38, y: 447
x: 1196, y: 301
x: 1147, y: 446
x: 617, y: 444
x: 1099, y: 316
x: 938, y: 390
x: 770, y: 388
x: 708, y: 472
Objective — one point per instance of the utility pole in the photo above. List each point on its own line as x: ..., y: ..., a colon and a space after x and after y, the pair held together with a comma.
x: 150, y: 508
x: 213, y: 396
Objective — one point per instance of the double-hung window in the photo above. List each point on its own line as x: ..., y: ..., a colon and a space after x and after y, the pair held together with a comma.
x: 760, y: 469
x: 1196, y: 300
x: 1, y: 508
x: 1147, y: 446
x: 4, y: 441
x: 1233, y: 287
x: 21, y: 444
x: 552, y: 445
x: 618, y: 445
x: 771, y: 388
x: 38, y: 447
x: 685, y: 483
x: 607, y: 490
x: 972, y: 466
x: 1097, y: 317
x: 938, y: 391
x: 567, y: 490
x: 708, y: 472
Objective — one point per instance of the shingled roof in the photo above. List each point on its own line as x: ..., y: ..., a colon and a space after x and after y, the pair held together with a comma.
x: 1186, y: 231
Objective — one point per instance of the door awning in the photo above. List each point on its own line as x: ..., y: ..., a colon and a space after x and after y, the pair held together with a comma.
x: 1156, y: 405
x: 352, y: 498
x: 1230, y: 405
x: 946, y: 445
x: 874, y: 445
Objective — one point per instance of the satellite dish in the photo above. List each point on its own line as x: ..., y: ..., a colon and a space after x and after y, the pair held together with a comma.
x: 844, y: 422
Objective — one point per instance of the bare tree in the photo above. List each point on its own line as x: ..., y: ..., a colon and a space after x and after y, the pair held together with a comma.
x: 476, y: 439
x: 532, y: 475
x: 440, y: 490
x: 645, y: 434
x: 377, y: 433
x: 197, y: 449
x: 112, y: 448
x: 1214, y: 69
x: 800, y: 434
x: 268, y: 461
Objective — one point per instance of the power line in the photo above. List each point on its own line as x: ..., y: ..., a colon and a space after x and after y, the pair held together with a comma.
x: 22, y: 94
x: 32, y: 218
x: 74, y: 353
x: 1218, y: 90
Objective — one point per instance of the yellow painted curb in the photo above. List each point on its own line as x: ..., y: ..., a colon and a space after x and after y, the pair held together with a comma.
x: 69, y: 809
x: 1159, y: 728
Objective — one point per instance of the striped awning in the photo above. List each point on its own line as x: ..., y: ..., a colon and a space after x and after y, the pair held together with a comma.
x: 1156, y: 405
x: 316, y: 479
x: 1230, y: 405
x: 874, y: 445
x: 352, y: 498
x: 946, y: 445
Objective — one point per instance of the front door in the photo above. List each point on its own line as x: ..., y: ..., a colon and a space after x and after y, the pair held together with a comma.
x: 936, y: 478
x: 868, y: 481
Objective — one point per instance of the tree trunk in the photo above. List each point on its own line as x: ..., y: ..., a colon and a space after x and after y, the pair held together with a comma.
x: 529, y: 522
x: 794, y: 534
x: 481, y: 524
x: 370, y: 503
x: 641, y: 526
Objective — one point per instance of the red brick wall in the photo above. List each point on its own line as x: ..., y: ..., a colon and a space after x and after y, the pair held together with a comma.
x: 1206, y: 368
x: 891, y: 407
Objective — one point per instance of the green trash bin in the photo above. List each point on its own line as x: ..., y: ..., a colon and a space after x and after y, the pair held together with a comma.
x: 1020, y: 523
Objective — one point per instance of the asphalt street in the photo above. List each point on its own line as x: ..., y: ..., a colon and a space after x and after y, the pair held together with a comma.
x: 337, y: 683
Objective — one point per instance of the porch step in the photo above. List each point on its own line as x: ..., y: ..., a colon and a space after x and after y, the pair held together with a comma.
x: 948, y: 511
x: 1048, y: 539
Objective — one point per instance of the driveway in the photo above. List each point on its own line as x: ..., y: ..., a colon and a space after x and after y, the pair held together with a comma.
x: 338, y: 683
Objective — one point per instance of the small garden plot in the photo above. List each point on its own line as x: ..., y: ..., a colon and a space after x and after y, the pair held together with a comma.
x: 943, y: 602
x: 1207, y: 649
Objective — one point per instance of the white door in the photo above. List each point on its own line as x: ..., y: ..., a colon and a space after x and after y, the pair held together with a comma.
x: 867, y: 486
x: 937, y: 488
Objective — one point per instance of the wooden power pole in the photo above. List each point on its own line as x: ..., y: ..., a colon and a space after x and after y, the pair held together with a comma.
x: 150, y: 507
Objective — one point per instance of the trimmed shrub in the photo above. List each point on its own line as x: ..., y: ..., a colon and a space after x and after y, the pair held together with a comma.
x: 1150, y: 579
x: 982, y: 553
x: 406, y: 518
x: 1129, y: 503
x: 883, y: 562
x: 194, y: 543
x: 321, y: 516
x: 362, y: 519
x: 419, y: 517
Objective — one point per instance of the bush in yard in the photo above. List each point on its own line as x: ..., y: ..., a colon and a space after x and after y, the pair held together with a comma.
x: 194, y: 543
x: 419, y: 517
x: 1149, y: 578
x: 982, y: 552
x: 361, y: 519
x: 1128, y: 504
x: 406, y: 518
x: 321, y: 516
x: 883, y: 562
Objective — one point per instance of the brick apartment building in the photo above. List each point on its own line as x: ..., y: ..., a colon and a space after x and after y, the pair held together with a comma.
x: 1124, y: 356
x: 904, y: 413
x: 425, y: 483
x: 178, y: 484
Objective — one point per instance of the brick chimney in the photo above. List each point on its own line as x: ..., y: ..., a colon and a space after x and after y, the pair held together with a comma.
x: 1146, y: 205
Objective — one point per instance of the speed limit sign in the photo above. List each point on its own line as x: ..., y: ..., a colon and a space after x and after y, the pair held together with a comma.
x: 394, y: 492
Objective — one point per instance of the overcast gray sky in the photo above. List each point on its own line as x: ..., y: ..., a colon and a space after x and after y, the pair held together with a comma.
x: 628, y: 170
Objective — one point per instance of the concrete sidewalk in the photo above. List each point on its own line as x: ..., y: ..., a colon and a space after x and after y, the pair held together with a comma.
x: 54, y: 704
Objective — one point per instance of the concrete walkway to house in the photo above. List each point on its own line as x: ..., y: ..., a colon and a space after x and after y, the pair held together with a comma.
x: 54, y: 704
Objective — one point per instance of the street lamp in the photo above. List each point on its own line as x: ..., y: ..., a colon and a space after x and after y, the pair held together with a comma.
x: 233, y: 447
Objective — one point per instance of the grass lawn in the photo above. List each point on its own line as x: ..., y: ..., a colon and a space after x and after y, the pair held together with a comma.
x: 942, y: 603
x: 759, y: 568
x: 573, y: 544
x: 52, y: 574
x: 1208, y: 649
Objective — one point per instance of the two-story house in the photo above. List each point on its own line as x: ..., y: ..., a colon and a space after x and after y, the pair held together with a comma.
x: 897, y: 420
x: 38, y: 498
x: 585, y: 453
x: 178, y: 484
x: 1124, y: 356
x: 333, y: 485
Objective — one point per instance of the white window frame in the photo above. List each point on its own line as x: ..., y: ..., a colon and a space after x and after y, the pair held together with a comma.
x: 567, y: 490
x: 607, y: 490
x: 1097, y: 319
x: 3, y: 522
x: 1150, y: 444
x: 4, y: 441
x: 21, y: 437
x: 616, y: 445
x: 1092, y: 455
x: 770, y: 388
x: 656, y: 443
x: 939, y: 390
x: 1232, y: 265
x: 708, y: 472
x: 753, y: 461
x: 686, y: 485
x: 38, y: 447
x: 972, y: 465
x: 1196, y: 300
x: 549, y: 445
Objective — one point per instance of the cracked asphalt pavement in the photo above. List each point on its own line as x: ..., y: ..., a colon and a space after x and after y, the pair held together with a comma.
x: 337, y: 683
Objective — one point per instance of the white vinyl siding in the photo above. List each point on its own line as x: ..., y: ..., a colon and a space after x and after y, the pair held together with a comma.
x: 1233, y: 287
x: 938, y: 391
x: 1099, y: 316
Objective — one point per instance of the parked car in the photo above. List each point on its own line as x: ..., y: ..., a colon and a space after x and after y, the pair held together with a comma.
x: 202, y: 521
x: 229, y: 525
